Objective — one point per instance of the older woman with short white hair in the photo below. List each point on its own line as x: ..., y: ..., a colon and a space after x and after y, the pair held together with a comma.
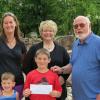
x: 59, y: 55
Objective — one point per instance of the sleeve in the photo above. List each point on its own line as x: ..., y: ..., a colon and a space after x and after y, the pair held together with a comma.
x: 23, y: 52
x: 27, y: 82
x: 57, y: 85
x: 66, y: 59
x: 24, y: 49
x: 29, y: 62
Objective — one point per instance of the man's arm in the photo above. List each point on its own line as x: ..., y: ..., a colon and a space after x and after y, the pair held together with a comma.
x: 65, y: 70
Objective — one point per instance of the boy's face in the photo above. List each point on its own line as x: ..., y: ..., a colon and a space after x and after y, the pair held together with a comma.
x: 42, y: 60
x: 7, y: 85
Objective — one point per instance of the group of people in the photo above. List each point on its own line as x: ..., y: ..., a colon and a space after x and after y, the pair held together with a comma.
x: 15, y: 58
x: 48, y: 63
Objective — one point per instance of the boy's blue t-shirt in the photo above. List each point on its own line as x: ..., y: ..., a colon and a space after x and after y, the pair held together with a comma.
x: 13, y: 97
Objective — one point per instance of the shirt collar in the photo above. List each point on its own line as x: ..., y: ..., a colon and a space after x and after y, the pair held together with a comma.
x: 87, y: 40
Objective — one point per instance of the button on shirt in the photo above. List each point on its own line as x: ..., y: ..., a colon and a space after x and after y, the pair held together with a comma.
x: 85, y: 62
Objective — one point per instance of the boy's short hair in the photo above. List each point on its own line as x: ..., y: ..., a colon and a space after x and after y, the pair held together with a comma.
x: 7, y: 75
x: 43, y: 51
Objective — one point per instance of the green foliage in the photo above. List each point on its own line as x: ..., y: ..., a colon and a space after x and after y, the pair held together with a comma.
x: 31, y: 12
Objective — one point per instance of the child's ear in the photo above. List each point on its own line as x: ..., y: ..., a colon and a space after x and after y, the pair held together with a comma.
x: 1, y: 83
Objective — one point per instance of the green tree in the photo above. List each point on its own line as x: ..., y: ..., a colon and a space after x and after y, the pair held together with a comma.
x: 31, y: 12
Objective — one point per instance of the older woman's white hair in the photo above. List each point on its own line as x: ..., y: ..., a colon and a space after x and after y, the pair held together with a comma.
x: 48, y: 24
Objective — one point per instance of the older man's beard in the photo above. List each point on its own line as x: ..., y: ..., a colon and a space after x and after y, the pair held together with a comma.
x: 81, y: 36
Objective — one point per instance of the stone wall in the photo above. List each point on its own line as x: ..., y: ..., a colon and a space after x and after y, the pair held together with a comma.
x: 65, y: 41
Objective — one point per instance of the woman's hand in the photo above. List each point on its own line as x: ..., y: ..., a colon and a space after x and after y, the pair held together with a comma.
x: 26, y: 92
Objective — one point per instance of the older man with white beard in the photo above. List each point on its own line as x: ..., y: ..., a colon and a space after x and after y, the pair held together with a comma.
x: 85, y: 62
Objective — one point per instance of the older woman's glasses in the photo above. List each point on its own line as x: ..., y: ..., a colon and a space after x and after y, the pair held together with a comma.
x: 81, y: 25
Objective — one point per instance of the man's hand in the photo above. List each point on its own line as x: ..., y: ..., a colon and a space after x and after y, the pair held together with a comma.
x: 56, y: 69
x: 65, y: 69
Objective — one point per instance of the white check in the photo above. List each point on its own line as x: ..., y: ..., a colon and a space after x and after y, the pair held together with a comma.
x: 40, y: 89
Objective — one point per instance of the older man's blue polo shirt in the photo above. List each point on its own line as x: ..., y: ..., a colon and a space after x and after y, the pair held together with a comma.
x: 85, y: 62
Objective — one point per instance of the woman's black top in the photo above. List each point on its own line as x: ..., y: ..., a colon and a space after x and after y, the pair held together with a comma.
x: 11, y: 60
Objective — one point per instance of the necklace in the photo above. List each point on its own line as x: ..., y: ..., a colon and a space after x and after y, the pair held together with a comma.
x: 50, y: 47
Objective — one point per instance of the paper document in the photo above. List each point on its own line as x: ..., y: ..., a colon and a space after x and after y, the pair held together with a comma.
x: 40, y: 89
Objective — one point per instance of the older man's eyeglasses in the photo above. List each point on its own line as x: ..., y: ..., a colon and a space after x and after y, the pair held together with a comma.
x: 81, y: 25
